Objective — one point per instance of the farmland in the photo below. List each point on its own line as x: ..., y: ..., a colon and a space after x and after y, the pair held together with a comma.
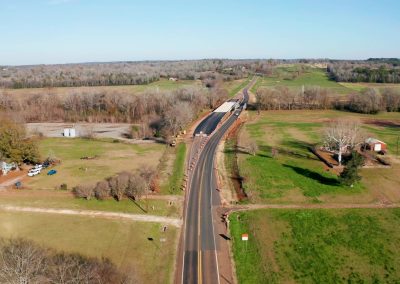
x: 317, y: 246
x: 295, y: 77
x: 125, y: 243
x: 308, y: 77
x: 295, y: 174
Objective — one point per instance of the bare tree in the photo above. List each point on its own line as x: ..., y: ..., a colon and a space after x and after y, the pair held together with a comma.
x: 83, y: 191
x: 137, y: 186
x: 21, y: 262
x: 342, y: 135
x: 102, y: 190
x: 253, y: 148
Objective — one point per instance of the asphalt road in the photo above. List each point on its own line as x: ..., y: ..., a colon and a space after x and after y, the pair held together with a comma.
x: 200, y: 263
x: 208, y: 125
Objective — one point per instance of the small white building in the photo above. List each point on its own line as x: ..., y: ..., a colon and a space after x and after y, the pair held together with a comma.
x: 69, y: 132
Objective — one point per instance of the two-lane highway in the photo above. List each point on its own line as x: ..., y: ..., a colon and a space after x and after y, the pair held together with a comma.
x: 200, y: 263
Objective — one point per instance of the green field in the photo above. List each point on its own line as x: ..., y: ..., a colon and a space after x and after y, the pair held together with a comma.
x: 295, y: 174
x: 125, y: 243
x: 377, y: 86
x: 233, y: 87
x: 175, y: 179
x: 111, y: 158
x: 317, y: 246
x: 309, y: 77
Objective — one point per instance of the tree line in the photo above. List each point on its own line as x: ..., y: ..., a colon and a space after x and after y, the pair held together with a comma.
x: 116, y: 73
x: 124, y: 184
x: 160, y: 112
x: 23, y: 261
x: 365, y: 71
x: 369, y: 101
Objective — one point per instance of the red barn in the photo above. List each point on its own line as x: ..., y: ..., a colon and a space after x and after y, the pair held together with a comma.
x: 375, y: 145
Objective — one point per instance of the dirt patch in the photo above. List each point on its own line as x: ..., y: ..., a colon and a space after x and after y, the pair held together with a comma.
x: 236, y: 178
x: 382, y: 123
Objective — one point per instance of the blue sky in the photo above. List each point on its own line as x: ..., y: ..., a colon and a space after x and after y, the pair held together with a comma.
x: 64, y: 31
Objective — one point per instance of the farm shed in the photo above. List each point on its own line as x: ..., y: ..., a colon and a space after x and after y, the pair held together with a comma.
x: 375, y: 145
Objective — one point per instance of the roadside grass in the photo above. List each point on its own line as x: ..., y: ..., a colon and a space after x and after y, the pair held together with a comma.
x: 110, y: 158
x: 65, y: 200
x: 310, y: 77
x: 233, y: 87
x: 125, y: 243
x: 161, y: 85
x: 295, y: 174
x: 317, y: 246
x: 175, y: 178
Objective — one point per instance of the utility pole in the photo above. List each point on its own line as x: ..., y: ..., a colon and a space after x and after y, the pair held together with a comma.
x: 397, y: 150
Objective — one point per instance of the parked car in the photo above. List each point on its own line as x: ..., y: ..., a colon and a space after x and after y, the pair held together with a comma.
x: 51, y: 172
x: 34, y: 172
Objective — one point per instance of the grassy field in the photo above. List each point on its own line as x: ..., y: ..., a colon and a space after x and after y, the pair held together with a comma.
x: 162, y: 85
x: 233, y: 87
x: 358, y: 87
x: 317, y: 246
x: 175, y: 178
x: 111, y: 159
x: 310, y: 77
x: 124, y: 243
x: 295, y: 174
x: 64, y: 200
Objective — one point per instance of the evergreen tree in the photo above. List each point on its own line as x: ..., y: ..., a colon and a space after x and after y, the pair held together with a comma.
x: 350, y: 173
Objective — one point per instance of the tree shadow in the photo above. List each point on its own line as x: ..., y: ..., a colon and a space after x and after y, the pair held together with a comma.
x: 313, y: 175
x: 300, y: 145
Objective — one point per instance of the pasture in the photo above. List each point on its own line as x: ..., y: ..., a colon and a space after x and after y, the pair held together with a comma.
x: 127, y: 244
x: 287, y: 76
x: 294, y: 174
x: 317, y: 246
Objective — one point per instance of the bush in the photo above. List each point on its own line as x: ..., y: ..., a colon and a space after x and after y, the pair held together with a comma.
x: 102, y: 190
x: 64, y: 186
x: 83, y: 191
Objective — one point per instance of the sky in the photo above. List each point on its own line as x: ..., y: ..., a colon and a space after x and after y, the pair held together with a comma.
x: 70, y: 31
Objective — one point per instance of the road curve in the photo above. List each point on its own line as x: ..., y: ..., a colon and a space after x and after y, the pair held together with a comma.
x: 200, y: 263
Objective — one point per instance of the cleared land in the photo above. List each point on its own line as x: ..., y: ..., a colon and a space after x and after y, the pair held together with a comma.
x: 125, y: 243
x: 317, y: 246
x: 162, y: 85
x: 109, y: 159
x: 295, y: 174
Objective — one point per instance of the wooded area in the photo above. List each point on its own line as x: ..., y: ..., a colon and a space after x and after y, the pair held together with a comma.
x: 370, y: 71
x: 23, y: 261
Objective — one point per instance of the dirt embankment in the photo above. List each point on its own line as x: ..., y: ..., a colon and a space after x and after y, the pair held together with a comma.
x: 230, y: 181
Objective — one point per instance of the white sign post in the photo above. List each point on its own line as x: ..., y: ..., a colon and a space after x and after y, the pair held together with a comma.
x: 245, y: 238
